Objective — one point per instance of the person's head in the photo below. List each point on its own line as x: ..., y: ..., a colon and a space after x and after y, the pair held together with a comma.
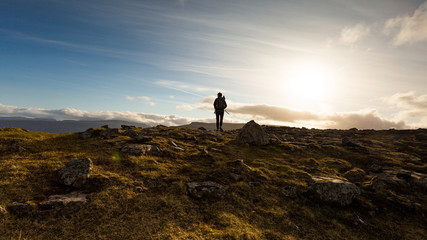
x: 219, y: 94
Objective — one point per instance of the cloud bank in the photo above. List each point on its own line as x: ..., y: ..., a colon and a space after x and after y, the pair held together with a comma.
x: 367, y: 119
x: 75, y: 114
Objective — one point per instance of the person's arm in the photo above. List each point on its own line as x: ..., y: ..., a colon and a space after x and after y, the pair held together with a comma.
x: 225, y: 104
x: 215, y: 103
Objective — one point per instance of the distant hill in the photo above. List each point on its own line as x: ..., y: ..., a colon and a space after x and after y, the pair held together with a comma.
x: 212, y: 126
x: 66, y: 126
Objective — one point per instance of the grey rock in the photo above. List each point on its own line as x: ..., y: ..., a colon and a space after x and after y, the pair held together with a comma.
x: 86, y: 135
x: 108, y: 132
x: 206, y: 190
x: 349, y: 142
x: 2, y: 212
x: 289, y: 191
x: 138, y: 189
x: 236, y: 167
x: 177, y: 149
x: 253, y: 134
x: 332, y: 190
x: 62, y: 205
x: 20, y: 209
x: 143, y: 138
x: 130, y: 133
x: 127, y: 127
x: 76, y: 172
x: 357, y: 221
x: 236, y: 177
x: 141, y: 149
x: 15, y: 148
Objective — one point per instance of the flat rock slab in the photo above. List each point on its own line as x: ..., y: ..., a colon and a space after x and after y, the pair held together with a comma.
x: 62, y: 205
x: 206, y: 190
x: 75, y: 173
x: 332, y: 190
x: 141, y: 149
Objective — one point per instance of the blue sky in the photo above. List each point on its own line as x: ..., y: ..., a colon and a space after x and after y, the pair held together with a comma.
x: 312, y: 63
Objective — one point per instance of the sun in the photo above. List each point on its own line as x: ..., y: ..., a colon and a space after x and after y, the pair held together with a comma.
x: 308, y: 81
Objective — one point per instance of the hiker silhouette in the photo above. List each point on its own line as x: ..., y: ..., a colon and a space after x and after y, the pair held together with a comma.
x: 220, y: 105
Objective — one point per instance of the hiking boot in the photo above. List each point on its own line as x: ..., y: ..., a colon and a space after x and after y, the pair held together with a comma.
x: 221, y: 130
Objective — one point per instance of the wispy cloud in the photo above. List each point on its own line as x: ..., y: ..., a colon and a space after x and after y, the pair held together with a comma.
x: 76, y: 114
x: 408, y: 29
x: 186, y: 107
x: 145, y: 99
x: 350, y: 35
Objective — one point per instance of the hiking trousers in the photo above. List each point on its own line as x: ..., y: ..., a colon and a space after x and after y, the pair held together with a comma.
x: 219, y: 116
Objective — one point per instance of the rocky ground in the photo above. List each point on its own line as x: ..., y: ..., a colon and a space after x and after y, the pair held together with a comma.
x: 258, y: 182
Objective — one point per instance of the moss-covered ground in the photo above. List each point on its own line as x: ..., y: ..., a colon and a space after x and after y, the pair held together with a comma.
x: 253, y: 208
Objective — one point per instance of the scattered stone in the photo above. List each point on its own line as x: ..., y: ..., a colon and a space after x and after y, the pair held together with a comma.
x: 375, y: 168
x: 355, y: 175
x: 86, y: 135
x: 141, y: 149
x: 170, y: 142
x: 206, y: 190
x: 202, y: 128
x: 357, y: 221
x: 62, y: 205
x: 236, y: 177
x: 138, y: 189
x: 20, y: 209
x: 205, y: 153
x: 15, y: 148
x: 143, y: 138
x: 349, y: 142
x: 253, y: 134
x: 75, y: 173
x: 127, y: 127
x: 254, y: 184
x: 2, y: 212
x: 130, y: 133
x: 333, y: 190
x: 177, y: 149
x: 108, y: 132
x: 404, y: 174
x: 289, y: 191
x: 236, y: 167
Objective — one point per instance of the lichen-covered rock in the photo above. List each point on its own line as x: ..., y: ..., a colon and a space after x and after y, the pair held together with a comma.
x: 332, y: 190
x: 62, y: 205
x: 75, y: 173
x: 141, y: 149
x: 253, y: 134
x: 206, y: 190
x: 20, y: 209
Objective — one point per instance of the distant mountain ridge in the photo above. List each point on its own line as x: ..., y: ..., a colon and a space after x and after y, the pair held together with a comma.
x: 212, y: 126
x: 66, y: 126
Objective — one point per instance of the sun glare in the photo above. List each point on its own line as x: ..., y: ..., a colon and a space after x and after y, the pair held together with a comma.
x: 308, y: 82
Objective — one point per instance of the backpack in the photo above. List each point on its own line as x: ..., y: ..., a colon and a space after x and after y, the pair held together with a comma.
x: 220, y: 103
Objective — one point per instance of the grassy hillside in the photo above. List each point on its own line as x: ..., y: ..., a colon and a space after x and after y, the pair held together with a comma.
x: 253, y: 208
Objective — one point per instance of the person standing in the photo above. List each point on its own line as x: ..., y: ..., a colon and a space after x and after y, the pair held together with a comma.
x: 220, y: 105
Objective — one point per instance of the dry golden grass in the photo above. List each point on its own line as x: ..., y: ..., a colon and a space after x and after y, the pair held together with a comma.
x: 164, y: 210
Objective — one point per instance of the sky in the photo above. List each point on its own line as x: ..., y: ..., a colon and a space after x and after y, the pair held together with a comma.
x: 322, y: 64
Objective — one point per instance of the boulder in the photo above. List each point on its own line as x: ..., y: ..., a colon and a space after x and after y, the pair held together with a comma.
x: 143, y: 138
x: 86, y: 135
x: 206, y: 190
x: 138, y: 189
x: 141, y: 149
x: 289, y: 191
x: 75, y: 173
x: 253, y: 134
x: 62, y: 205
x: 355, y: 175
x: 108, y: 132
x: 127, y: 127
x: 130, y: 133
x: 20, y: 209
x: 332, y: 190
